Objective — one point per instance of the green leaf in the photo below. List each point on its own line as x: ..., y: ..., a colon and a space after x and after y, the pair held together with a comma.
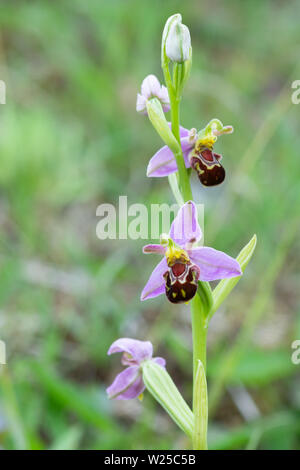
x: 163, y: 389
x: 225, y: 286
x: 159, y: 122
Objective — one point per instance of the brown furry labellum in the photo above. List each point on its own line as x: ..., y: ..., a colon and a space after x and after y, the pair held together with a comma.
x: 208, y: 167
x: 181, y: 282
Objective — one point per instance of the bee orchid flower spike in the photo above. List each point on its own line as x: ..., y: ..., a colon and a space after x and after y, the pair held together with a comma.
x: 184, y: 273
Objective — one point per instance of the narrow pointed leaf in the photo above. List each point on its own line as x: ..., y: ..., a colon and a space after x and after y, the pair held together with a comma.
x: 163, y: 389
x: 225, y: 286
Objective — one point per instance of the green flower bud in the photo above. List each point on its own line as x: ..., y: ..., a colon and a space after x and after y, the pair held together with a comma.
x: 169, y: 22
x: 178, y: 42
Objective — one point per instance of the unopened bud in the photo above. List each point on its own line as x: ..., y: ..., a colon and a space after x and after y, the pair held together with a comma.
x: 178, y: 42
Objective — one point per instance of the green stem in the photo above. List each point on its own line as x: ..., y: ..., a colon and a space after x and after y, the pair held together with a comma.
x: 184, y: 182
x: 183, y: 177
x: 199, y: 327
x: 199, y: 323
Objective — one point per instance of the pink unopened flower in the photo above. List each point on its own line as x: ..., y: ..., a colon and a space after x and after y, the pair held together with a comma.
x: 197, y: 152
x: 151, y: 88
x: 129, y: 383
x: 184, y: 264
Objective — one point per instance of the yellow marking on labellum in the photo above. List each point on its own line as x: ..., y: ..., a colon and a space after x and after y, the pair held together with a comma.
x: 174, y: 295
x: 174, y: 255
x: 198, y: 169
x: 141, y: 396
x: 207, y: 141
x: 209, y: 167
x: 183, y: 293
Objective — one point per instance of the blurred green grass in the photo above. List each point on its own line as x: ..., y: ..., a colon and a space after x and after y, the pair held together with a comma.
x: 70, y: 139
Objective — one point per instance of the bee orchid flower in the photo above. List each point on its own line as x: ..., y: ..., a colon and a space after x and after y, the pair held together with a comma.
x: 197, y: 149
x: 184, y: 263
x: 129, y: 383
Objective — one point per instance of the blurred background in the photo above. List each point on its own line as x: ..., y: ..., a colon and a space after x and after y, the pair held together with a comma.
x: 70, y: 139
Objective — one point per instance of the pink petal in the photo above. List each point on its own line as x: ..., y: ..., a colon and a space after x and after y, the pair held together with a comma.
x: 128, y: 384
x: 163, y: 163
x: 138, y: 350
x: 154, y: 249
x: 141, y: 104
x: 160, y: 361
x: 164, y: 98
x: 185, y: 228
x: 150, y: 87
x: 156, y: 283
x: 166, y: 107
x: 183, y: 132
x: 134, y: 391
x: 214, y: 264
